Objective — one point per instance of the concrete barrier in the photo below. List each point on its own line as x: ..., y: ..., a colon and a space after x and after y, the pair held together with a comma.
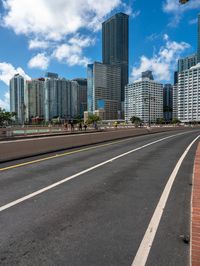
x: 11, y: 150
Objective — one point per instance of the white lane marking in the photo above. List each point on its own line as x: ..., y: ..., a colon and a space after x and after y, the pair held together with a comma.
x: 15, y: 202
x: 147, y: 241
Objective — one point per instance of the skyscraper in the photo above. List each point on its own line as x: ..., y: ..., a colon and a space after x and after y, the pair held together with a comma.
x: 198, y: 38
x: 82, y: 96
x: 115, y: 45
x: 17, y: 98
x: 187, y: 62
x: 147, y: 74
x: 34, y: 99
x: 104, y: 83
x: 60, y: 98
x: 167, y: 102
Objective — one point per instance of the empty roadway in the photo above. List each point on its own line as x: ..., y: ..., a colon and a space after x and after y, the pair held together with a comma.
x: 100, y: 216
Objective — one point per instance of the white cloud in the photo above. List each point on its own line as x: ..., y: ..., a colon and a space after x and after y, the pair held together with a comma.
x: 35, y: 44
x: 163, y: 63
x: 71, y: 54
x: 49, y: 24
x: 81, y: 41
x: 40, y: 61
x: 153, y: 37
x: 193, y: 21
x: 52, y: 19
x: 7, y: 71
x: 134, y: 14
x: 174, y: 8
x: 5, y: 102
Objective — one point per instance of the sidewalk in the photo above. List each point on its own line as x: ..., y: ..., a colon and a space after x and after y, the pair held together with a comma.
x: 195, y: 216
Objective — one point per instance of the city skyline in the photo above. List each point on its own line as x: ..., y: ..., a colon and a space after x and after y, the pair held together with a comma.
x: 37, y: 50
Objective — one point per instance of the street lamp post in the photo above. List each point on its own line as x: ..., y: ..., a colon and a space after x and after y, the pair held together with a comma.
x: 149, y: 98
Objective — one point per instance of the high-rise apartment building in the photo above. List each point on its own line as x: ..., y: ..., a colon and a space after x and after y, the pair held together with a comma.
x: 198, y: 39
x: 115, y: 46
x: 60, y: 98
x: 104, y: 82
x: 175, y: 101
x: 167, y: 102
x: 187, y: 62
x: 147, y: 74
x: 144, y: 99
x: 34, y: 99
x: 188, y: 95
x: 81, y: 96
x: 17, y: 103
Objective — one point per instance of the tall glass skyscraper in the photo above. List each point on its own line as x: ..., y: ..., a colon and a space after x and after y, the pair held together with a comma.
x: 17, y: 98
x: 115, y: 45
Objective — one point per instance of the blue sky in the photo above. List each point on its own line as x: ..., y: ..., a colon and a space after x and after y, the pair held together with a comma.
x: 63, y: 36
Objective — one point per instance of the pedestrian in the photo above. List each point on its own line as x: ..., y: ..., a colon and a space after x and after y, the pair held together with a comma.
x: 72, y: 125
x: 85, y: 126
x: 95, y: 126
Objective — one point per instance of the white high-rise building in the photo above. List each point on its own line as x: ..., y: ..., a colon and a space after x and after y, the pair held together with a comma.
x: 34, y: 99
x: 17, y: 103
x: 144, y: 99
x: 175, y: 101
x: 189, y: 95
x: 60, y: 98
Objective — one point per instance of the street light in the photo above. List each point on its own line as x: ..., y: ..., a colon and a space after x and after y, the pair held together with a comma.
x: 149, y: 98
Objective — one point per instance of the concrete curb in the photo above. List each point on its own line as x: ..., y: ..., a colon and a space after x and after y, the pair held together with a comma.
x: 31, y: 147
x: 195, y: 212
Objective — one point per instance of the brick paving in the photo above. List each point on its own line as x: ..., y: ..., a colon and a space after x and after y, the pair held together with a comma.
x: 195, y: 224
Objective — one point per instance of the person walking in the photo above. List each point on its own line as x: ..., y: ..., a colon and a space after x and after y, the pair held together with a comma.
x: 85, y: 126
x: 72, y: 125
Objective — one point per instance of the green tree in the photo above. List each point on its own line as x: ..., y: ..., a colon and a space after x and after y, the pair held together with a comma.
x: 160, y: 121
x: 93, y: 118
x: 135, y: 120
x: 175, y: 121
x: 5, y: 117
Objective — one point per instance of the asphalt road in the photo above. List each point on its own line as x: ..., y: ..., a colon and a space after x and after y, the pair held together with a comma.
x: 99, y: 216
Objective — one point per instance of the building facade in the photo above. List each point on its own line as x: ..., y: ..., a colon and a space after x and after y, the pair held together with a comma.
x: 167, y: 102
x: 81, y: 96
x: 60, y: 98
x: 147, y: 74
x: 34, y: 99
x: 189, y: 95
x: 198, y: 40
x: 187, y: 62
x: 175, y: 101
x: 17, y: 103
x: 115, y: 48
x: 104, y: 82
x: 144, y: 99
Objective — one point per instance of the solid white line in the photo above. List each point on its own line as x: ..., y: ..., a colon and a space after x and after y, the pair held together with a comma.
x: 15, y: 202
x: 147, y: 241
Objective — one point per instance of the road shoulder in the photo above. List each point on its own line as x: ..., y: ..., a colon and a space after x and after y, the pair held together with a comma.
x: 195, y: 212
